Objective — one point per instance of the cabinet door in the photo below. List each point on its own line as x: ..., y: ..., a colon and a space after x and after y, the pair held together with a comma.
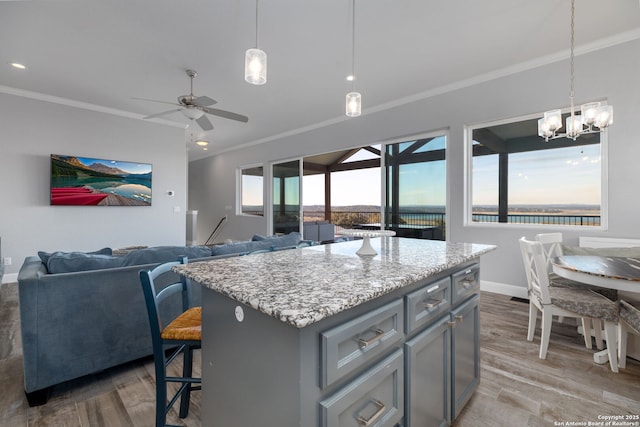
x: 428, y: 380
x: 465, y: 352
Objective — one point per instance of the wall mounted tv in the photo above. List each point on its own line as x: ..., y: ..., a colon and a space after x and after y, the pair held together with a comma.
x: 99, y: 182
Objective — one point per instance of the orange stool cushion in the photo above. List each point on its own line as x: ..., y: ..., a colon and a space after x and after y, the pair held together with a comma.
x: 187, y: 326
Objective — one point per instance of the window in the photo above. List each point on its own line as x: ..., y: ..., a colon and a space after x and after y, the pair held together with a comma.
x: 518, y: 178
x: 251, y: 191
x: 416, y: 188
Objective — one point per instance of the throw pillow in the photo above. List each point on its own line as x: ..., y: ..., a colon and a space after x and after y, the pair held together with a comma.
x: 44, y: 256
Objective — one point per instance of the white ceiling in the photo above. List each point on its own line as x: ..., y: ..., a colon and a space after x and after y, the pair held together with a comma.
x: 106, y: 52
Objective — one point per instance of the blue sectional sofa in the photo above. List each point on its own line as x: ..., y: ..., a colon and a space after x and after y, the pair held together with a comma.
x: 81, y: 313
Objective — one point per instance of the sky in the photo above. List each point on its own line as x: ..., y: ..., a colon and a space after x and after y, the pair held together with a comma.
x: 125, y: 166
x: 568, y: 175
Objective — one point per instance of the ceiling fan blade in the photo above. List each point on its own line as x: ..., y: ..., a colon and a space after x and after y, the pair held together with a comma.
x: 226, y: 114
x: 204, y: 123
x: 204, y: 101
x: 164, y: 113
x: 155, y: 100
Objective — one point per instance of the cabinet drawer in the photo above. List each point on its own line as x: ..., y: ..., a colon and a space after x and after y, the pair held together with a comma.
x: 358, y: 341
x: 376, y: 398
x: 466, y: 282
x: 427, y: 303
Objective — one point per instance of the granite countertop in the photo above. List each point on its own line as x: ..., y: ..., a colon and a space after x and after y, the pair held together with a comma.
x: 303, y: 286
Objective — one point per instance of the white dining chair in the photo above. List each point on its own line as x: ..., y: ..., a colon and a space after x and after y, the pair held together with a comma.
x: 629, y: 323
x: 552, y: 248
x: 564, y: 301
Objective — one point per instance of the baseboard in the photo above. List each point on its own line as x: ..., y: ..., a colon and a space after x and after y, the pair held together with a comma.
x: 504, y: 289
x: 10, y: 278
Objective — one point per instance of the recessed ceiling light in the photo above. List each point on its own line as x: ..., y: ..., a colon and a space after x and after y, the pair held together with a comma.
x: 202, y: 143
x: 18, y: 65
x: 205, y: 149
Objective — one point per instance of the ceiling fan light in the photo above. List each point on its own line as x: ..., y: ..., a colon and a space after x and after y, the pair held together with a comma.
x: 192, y: 113
x: 255, y: 66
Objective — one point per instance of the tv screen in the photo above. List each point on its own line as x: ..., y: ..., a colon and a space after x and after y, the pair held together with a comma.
x: 99, y: 182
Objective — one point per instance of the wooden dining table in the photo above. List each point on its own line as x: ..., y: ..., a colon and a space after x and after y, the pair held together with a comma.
x: 620, y: 273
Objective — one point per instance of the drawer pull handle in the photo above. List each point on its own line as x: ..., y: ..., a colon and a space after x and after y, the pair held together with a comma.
x: 435, y: 288
x: 431, y: 302
x: 467, y: 283
x: 452, y: 324
x: 365, y: 343
x: 369, y: 421
x: 459, y: 319
x: 468, y: 271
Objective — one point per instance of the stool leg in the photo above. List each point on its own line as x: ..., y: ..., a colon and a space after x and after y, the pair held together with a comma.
x: 187, y: 367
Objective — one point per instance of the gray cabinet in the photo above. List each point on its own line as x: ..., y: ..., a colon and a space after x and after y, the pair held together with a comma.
x: 428, y: 379
x: 465, y: 352
x: 442, y: 359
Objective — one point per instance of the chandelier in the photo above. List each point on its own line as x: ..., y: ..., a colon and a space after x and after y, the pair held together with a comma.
x: 595, y: 116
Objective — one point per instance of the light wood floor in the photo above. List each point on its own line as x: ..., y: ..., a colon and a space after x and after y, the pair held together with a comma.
x: 516, y: 388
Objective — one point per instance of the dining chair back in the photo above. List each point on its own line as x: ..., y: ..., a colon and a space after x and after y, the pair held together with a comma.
x: 552, y: 248
x: 181, y: 336
x: 629, y: 323
x: 563, y: 301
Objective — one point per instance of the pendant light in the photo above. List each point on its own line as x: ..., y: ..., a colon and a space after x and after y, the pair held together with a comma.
x: 594, y: 119
x: 255, y: 61
x: 354, y: 99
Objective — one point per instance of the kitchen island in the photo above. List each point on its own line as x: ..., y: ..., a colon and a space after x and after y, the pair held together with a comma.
x: 320, y: 336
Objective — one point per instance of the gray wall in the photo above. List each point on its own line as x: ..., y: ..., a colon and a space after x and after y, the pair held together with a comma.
x: 605, y: 74
x: 31, y: 130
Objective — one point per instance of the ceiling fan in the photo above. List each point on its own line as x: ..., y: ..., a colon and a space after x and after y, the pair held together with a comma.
x: 194, y: 107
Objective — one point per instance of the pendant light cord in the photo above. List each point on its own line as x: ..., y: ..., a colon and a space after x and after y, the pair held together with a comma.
x: 257, y: 23
x: 353, y: 44
x: 572, y: 53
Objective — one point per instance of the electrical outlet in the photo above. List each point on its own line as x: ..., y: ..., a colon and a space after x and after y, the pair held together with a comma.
x: 7, y: 260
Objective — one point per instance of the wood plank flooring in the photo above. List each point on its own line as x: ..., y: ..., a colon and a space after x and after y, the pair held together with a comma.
x: 516, y: 388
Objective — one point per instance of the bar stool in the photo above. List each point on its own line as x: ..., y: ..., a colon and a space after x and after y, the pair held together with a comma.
x: 182, y: 335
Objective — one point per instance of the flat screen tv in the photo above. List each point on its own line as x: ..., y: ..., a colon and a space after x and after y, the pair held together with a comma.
x: 99, y: 182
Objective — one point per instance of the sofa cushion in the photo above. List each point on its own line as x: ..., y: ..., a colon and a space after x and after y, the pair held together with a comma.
x: 160, y: 254
x: 291, y: 239
x: 68, y: 262
x: 628, y: 252
x: 44, y: 256
x: 241, y: 247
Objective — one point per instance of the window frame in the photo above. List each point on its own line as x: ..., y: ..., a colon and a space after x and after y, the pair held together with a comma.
x: 468, y: 179
x: 240, y: 189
